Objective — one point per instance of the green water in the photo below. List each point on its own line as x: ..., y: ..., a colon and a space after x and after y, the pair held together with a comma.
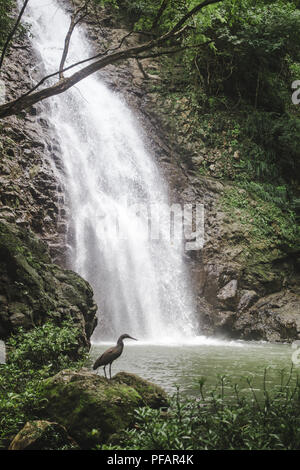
x: 183, y: 365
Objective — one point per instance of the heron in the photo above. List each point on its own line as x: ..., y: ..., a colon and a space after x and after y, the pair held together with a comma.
x: 111, y: 354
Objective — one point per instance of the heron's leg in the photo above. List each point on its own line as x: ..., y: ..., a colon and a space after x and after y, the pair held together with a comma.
x: 110, y: 370
x: 105, y: 372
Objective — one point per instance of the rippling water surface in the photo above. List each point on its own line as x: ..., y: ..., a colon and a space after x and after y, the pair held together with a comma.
x: 182, y: 365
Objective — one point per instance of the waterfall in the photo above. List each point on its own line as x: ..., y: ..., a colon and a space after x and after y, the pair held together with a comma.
x: 141, y: 286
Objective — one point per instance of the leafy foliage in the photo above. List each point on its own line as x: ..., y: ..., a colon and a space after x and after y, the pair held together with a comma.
x: 252, y: 44
x: 32, y: 357
x: 49, y: 346
x: 6, y: 19
x: 266, y: 220
x: 279, y: 141
x: 215, y: 421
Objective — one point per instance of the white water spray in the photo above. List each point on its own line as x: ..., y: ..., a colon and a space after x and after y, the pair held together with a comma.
x: 141, y: 286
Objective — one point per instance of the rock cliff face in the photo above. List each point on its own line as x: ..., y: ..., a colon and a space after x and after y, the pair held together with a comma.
x: 31, y: 194
x: 33, y: 290
x: 32, y: 218
x: 246, y: 287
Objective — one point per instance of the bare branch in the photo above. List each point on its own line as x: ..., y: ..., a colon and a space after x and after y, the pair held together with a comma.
x: 51, y: 75
x: 12, y: 33
x: 75, y: 19
x: 104, y: 59
x: 145, y: 75
x: 172, y: 51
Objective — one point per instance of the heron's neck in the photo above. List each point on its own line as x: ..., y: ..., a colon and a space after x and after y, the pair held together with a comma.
x: 120, y: 342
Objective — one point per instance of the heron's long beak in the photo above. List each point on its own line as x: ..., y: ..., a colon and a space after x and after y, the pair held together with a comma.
x: 133, y: 338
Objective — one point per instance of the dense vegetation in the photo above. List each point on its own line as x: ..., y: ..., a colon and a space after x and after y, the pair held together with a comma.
x: 215, y: 421
x: 223, y: 417
x: 32, y: 357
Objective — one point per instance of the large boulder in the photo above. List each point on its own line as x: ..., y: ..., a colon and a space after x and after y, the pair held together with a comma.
x: 93, y: 408
x: 33, y: 290
x: 42, y: 435
x: 275, y: 317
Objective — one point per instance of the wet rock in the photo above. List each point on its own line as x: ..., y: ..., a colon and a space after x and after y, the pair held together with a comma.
x: 43, y: 435
x: 153, y: 395
x: 223, y: 322
x: 24, y: 155
x: 273, y: 318
x: 198, y: 160
x: 247, y: 300
x: 228, y: 294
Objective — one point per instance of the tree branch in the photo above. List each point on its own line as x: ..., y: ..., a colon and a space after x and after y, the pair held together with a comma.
x: 51, y: 75
x: 12, y: 33
x: 172, y: 51
x: 73, y: 24
x: 104, y: 59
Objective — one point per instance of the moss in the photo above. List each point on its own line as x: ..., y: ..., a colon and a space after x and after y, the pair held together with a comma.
x: 37, y: 290
x: 92, y: 408
x: 267, y: 236
x: 263, y: 220
x: 81, y: 409
x: 152, y: 394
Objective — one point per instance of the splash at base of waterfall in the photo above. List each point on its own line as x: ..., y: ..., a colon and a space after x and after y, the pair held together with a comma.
x: 180, y: 341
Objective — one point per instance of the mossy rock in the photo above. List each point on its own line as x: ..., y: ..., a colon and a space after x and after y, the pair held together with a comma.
x: 43, y: 435
x: 152, y: 395
x: 92, y: 408
x: 33, y: 290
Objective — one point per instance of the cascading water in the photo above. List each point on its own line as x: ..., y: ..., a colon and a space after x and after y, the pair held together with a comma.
x: 141, y: 285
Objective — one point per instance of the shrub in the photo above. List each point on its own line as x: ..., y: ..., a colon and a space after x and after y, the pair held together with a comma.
x: 214, y: 421
x: 48, y: 346
x: 32, y: 357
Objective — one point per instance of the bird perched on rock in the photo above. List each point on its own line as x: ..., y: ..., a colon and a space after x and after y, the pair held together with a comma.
x: 111, y: 354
